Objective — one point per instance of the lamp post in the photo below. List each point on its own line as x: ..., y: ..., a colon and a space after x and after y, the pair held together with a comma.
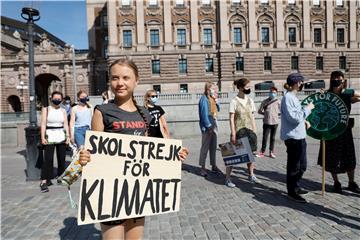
x: 74, y: 72
x: 31, y: 15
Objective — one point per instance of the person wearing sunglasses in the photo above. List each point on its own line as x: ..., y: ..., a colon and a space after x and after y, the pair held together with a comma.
x: 158, y: 126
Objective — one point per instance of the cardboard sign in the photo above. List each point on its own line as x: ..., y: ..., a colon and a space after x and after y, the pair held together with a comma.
x: 238, y: 153
x: 129, y: 176
x: 329, y: 118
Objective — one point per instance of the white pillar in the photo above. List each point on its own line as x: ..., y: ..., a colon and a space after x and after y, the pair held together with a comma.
x: 252, y: 28
x: 280, y: 37
x: 352, y: 27
x: 112, y: 27
x: 224, y: 26
x: 306, y: 24
x: 169, y: 45
x: 329, y: 24
x: 140, y: 26
x: 194, y: 25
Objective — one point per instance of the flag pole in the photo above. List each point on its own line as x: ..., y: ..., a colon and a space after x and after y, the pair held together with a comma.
x: 323, y: 168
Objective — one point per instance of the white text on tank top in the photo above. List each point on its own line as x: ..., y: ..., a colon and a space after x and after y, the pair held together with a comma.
x: 55, y: 117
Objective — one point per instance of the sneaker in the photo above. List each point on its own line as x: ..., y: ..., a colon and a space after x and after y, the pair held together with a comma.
x: 272, y: 155
x: 301, y: 191
x: 353, y: 187
x: 49, y: 183
x: 203, y: 173
x: 215, y: 169
x: 44, y: 188
x: 229, y: 184
x: 260, y: 155
x: 296, y: 197
x: 254, y: 179
x: 337, y: 187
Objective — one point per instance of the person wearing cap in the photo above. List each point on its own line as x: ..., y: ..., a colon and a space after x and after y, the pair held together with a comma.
x: 293, y: 133
x: 340, y: 151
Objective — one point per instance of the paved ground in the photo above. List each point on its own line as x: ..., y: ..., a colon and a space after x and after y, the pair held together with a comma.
x: 209, y: 210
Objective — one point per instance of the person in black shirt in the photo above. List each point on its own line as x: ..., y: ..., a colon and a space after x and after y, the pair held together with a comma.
x: 158, y: 126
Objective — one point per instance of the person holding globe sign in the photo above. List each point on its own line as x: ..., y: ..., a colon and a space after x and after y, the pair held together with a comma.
x: 124, y: 77
x: 293, y: 132
x: 340, y: 151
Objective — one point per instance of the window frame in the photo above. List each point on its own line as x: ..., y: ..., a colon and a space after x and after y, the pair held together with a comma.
x: 155, y: 64
x: 207, y: 61
x: 206, y: 33
x: 319, y: 65
x: 241, y: 64
x: 131, y: 38
x: 151, y: 37
x: 182, y: 62
x: 296, y: 66
x: 181, y: 44
x: 267, y: 64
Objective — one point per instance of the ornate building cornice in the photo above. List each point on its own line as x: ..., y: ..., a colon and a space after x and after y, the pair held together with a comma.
x: 151, y: 11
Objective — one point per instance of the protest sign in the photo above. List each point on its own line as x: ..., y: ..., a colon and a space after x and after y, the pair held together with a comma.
x: 238, y: 153
x: 329, y: 118
x: 129, y: 176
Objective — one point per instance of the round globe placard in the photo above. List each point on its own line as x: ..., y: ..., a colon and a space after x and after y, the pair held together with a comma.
x: 329, y: 118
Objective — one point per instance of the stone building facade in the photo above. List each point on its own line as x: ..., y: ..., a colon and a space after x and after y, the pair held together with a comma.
x: 179, y: 44
x: 53, y: 66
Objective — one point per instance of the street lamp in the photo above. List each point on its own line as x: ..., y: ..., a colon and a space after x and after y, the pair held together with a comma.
x: 74, y: 71
x: 31, y: 15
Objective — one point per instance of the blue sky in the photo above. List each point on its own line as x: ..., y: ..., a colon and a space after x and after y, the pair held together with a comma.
x: 64, y: 19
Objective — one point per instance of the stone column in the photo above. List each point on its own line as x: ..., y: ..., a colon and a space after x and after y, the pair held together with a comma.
x: 194, y: 25
x: 352, y: 26
x: 168, y: 31
x: 224, y: 26
x: 91, y: 26
x: 329, y: 25
x: 252, y: 25
x: 140, y: 26
x: 306, y: 24
x: 280, y: 41
x: 112, y: 27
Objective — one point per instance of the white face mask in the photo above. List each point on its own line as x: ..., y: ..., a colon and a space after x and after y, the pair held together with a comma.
x: 153, y: 100
x: 212, y: 92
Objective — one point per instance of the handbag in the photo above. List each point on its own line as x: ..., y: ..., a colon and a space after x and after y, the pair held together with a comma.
x: 55, y: 135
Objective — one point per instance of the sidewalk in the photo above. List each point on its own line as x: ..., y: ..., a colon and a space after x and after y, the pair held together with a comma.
x: 209, y: 210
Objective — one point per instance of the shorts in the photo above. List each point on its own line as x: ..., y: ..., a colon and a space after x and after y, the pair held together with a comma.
x: 119, y: 222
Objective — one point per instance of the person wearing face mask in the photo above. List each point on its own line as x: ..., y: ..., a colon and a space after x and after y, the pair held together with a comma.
x: 66, y: 104
x: 340, y: 152
x: 242, y: 124
x: 158, y: 125
x: 270, y: 108
x: 208, y: 110
x: 54, y: 132
x: 293, y: 133
x: 80, y: 120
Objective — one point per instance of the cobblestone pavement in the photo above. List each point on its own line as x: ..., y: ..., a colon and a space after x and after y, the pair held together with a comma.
x: 209, y: 210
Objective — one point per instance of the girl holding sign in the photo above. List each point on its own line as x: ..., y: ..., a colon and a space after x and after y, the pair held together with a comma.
x: 340, y: 152
x: 111, y: 117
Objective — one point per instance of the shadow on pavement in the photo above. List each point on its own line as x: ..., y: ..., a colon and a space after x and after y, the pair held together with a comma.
x: 217, y: 178
x: 72, y: 231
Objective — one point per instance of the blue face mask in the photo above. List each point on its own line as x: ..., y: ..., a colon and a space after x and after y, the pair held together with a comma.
x: 272, y: 95
x: 153, y: 100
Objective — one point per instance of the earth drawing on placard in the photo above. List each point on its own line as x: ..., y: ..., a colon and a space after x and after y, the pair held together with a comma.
x: 325, y: 116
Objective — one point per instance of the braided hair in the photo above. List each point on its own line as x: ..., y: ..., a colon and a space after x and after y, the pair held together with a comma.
x: 129, y: 63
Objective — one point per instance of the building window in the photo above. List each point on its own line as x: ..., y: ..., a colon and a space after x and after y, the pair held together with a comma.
x: 239, y: 64
x: 179, y: 3
x: 208, y: 36
x: 127, y: 38
x: 319, y: 63
x: 237, y: 36
x: 209, y: 65
x: 183, y: 88
x: 157, y: 88
x: 316, y: 3
x: 105, y: 46
x: 265, y: 36
x: 267, y: 64
x: 339, y: 3
x: 342, y: 62
x: 125, y: 3
x: 155, y: 67
x: 292, y: 35
x: 153, y: 3
x: 317, y: 35
x: 206, y: 2
x: 104, y: 20
x: 182, y: 66
x: 181, y: 37
x: 264, y: 2
x: 340, y: 35
x: 236, y: 2
x: 294, y: 63
x: 154, y: 38
x: 291, y: 2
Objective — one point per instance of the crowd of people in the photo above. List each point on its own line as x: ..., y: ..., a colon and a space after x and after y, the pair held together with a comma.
x: 63, y: 123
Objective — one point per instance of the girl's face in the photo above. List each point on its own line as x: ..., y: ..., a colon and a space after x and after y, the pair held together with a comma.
x: 82, y: 95
x: 123, y: 81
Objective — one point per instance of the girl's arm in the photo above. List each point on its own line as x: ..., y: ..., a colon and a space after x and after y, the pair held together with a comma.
x: 356, y: 97
x: 232, y: 127
x: 164, y: 127
x: 43, y: 125
x: 72, y: 125
x: 66, y: 126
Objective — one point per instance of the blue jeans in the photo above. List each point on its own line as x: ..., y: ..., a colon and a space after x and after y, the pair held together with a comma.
x: 79, y: 135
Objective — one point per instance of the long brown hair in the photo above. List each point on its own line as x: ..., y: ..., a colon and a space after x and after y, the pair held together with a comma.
x: 129, y: 63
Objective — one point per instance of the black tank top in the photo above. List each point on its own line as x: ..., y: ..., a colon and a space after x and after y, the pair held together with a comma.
x: 117, y: 120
